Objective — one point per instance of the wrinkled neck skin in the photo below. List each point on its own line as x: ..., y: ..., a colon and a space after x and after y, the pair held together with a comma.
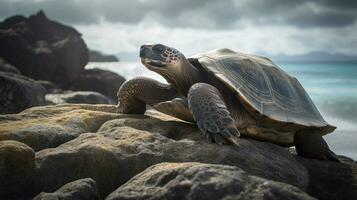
x: 184, y: 78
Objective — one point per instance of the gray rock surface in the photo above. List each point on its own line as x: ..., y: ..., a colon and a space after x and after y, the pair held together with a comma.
x: 202, y: 181
x: 83, y: 189
x: 50, y: 87
x: 50, y: 126
x: 97, y: 56
x: 6, y: 67
x: 76, y: 141
x: 17, y: 166
x: 331, y: 180
x: 98, y: 80
x: 122, y: 148
x: 18, y: 92
x: 87, y: 97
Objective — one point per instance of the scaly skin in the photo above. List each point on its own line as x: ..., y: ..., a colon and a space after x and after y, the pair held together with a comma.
x: 134, y: 94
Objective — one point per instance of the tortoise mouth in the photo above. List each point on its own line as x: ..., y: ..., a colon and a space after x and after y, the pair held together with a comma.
x: 152, y: 62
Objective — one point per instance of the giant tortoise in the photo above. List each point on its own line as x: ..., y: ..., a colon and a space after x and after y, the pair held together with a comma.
x: 228, y: 94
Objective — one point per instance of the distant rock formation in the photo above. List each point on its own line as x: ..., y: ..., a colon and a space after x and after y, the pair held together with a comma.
x: 96, y: 56
x: 6, y: 67
x: 40, y: 60
x: 312, y: 57
x: 98, y: 80
x: 43, y: 49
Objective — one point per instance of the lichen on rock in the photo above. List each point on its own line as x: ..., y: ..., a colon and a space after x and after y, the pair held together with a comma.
x: 50, y: 126
x: 202, y: 181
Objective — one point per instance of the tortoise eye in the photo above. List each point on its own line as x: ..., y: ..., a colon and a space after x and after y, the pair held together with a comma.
x: 159, y: 48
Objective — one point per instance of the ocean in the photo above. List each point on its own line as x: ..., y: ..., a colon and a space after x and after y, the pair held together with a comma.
x: 332, y: 87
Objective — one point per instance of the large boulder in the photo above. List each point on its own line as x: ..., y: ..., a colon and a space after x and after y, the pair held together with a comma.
x: 83, y: 189
x: 50, y: 87
x: 98, y: 80
x: 17, y: 166
x: 96, y: 56
x: 331, y: 180
x: 50, y: 126
x: 43, y: 49
x: 79, y: 97
x: 124, y: 147
x: 18, y: 92
x: 6, y: 67
x: 203, y: 181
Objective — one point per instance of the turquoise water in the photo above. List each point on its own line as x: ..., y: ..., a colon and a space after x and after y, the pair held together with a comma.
x: 333, y: 88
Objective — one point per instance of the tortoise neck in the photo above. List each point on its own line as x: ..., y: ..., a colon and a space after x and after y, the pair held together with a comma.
x: 187, y: 76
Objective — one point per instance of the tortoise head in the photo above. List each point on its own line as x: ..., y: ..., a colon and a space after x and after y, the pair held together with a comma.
x: 161, y: 59
x: 171, y: 64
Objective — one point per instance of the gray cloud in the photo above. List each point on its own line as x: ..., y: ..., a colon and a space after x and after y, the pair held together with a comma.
x: 197, y: 13
x: 325, y: 18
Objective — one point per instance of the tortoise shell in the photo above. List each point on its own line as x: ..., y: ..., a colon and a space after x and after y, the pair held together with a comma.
x: 265, y: 88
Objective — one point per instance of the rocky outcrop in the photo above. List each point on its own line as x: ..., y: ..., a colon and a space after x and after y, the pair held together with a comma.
x: 331, y: 180
x: 50, y: 126
x: 77, y: 141
x: 79, y: 97
x: 17, y: 166
x: 6, y: 67
x: 50, y: 87
x: 202, y: 181
x: 54, y: 55
x: 83, y: 189
x: 96, y: 56
x: 43, y: 49
x: 124, y: 147
x: 98, y: 80
x: 18, y: 92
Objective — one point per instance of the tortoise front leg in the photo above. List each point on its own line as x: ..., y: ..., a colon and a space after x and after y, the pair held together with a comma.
x: 211, y: 114
x: 135, y: 93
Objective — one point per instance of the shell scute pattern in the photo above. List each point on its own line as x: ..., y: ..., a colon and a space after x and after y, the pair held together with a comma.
x: 265, y: 87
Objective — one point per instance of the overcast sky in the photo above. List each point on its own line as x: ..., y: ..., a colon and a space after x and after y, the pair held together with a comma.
x: 271, y: 26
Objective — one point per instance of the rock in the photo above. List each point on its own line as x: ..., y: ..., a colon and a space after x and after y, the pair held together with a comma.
x: 124, y: 147
x: 98, y: 80
x: 79, y: 97
x: 6, y: 67
x: 17, y: 166
x: 331, y: 180
x: 202, y: 181
x: 96, y: 56
x: 43, y: 49
x: 19, y: 92
x: 50, y: 87
x: 50, y: 126
x: 76, y: 141
x: 77, y: 190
